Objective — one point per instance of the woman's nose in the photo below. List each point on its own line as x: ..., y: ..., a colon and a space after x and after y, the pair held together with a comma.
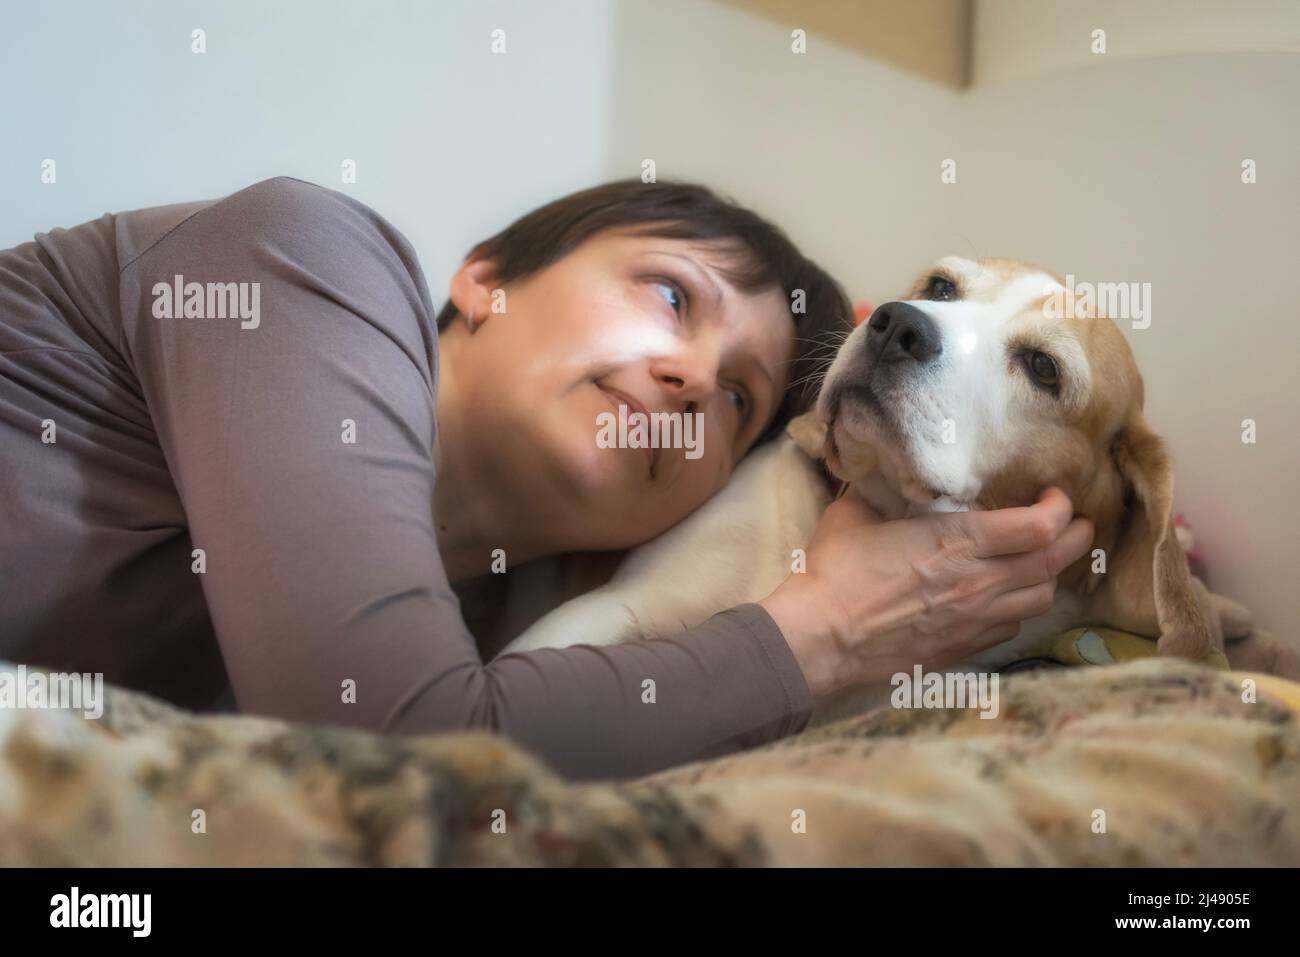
x: 689, y: 380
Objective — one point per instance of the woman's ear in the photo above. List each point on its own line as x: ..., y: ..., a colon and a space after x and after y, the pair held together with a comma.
x: 474, y: 290
x: 1148, y: 588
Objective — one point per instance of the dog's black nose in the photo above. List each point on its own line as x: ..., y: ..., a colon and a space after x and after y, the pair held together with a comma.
x: 902, y: 331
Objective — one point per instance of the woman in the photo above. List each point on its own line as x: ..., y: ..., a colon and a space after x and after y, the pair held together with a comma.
x: 223, y: 424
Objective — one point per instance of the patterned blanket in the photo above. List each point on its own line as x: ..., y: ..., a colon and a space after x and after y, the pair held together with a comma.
x: 1154, y: 762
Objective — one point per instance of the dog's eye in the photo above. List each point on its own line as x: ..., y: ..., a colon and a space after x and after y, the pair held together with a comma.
x: 940, y: 289
x: 1043, y: 369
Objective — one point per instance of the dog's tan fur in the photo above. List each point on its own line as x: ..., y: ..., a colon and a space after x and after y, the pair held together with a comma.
x: 1116, y: 471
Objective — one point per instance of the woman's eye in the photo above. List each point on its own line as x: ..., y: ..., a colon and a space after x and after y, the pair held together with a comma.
x: 1044, y: 370
x: 939, y: 289
x: 672, y: 294
x: 739, y: 399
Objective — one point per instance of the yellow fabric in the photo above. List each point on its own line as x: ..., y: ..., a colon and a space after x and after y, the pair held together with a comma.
x: 1099, y: 646
x: 1104, y: 646
x: 1285, y: 690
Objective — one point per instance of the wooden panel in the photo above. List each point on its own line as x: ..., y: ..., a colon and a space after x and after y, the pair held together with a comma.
x: 931, y: 38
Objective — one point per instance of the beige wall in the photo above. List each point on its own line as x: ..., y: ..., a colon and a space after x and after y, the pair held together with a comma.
x: 1132, y: 173
x: 1020, y: 39
x: 841, y: 149
x: 1127, y: 170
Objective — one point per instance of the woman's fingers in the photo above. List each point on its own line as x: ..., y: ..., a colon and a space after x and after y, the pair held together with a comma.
x: 994, y: 636
x: 1006, y: 612
x: 1030, y: 568
x: 1022, y: 604
x: 1009, y: 531
x: 1070, y: 546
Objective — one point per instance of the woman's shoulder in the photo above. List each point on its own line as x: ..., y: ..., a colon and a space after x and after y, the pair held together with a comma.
x: 294, y: 212
x: 283, y: 229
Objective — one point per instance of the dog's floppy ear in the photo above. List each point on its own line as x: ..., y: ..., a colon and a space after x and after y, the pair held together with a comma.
x: 809, y: 434
x: 1148, y: 588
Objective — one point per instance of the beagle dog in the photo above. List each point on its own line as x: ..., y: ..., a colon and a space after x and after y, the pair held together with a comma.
x: 982, y: 388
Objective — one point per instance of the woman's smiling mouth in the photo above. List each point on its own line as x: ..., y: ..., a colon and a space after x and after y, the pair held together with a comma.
x: 617, y: 399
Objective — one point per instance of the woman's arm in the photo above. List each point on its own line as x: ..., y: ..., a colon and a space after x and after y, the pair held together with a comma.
x: 302, y: 445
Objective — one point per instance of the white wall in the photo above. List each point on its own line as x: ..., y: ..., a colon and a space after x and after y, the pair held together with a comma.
x: 451, y: 141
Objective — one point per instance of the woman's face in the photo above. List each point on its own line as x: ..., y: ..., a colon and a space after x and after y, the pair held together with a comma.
x: 623, y: 319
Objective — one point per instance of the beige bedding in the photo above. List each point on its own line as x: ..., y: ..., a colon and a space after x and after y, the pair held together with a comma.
x: 1155, y: 762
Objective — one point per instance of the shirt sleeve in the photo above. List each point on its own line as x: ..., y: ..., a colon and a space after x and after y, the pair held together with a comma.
x: 295, y: 406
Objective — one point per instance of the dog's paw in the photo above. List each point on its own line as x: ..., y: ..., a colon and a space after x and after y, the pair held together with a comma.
x: 1261, y: 651
x: 1235, y: 618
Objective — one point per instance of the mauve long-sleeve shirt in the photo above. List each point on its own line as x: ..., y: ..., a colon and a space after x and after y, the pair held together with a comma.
x: 182, y: 505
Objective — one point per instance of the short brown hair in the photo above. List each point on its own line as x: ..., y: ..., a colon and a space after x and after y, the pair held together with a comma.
x: 764, y: 256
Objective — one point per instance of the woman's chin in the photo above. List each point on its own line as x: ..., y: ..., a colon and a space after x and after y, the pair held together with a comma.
x: 584, y: 471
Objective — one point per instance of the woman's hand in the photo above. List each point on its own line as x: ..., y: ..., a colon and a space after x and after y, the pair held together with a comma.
x: 880, y: 597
